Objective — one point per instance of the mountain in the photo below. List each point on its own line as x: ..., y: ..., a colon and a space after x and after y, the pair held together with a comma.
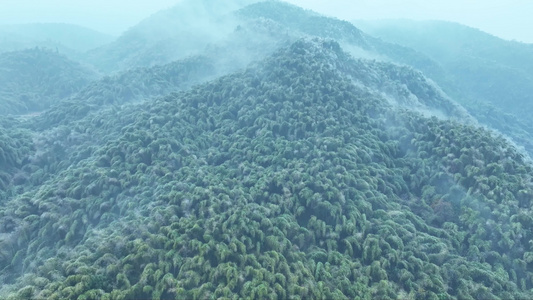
x: 252, y: 41
x: 175, y: 33
x: 34, y: 79
x: 304, y: 21
x: 67, y: 38
x: 294, y: 156
x: 295, y: 177
x: 492, y: 77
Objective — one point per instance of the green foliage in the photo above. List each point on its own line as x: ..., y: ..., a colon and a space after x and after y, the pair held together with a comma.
x: 301, y: 184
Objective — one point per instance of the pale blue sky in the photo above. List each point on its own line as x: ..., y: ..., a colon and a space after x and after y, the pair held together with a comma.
x: 509, y: 19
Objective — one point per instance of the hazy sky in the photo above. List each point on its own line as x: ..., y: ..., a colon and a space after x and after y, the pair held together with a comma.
x: 509, y: 19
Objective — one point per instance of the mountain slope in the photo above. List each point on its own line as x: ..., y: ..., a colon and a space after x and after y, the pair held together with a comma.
x: 296, y: 177
x: 34, y: 79
x: 187, y: 28
x: 485, y: 67
x: 253, y: 40
x: 15, y: 147
x: 491, y: 77
x: 175, y: 33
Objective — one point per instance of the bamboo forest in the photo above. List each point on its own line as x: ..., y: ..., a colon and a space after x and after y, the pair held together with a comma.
x: 265, y: 151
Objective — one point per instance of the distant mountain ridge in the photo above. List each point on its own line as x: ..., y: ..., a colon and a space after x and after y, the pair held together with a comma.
x: 67, y: 38
x: 254, y: 40
x: 492, y: 77
x: 166, y: 35
x: 452, y: 39
x: 175, y: 33
x: 300, y: 22
x: 34, y: 79
x: 485, y: 66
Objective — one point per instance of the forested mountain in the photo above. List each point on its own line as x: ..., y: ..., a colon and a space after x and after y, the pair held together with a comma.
x: 492, y: 77
x: 255, y: 39
x: 292, y: 158
x: 33, y: 79
x: 300, y: 22
x: 67, y: 38
x: 182, y: 30
x: 295, y: 177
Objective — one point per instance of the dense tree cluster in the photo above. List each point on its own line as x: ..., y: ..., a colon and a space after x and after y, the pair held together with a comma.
x: 272, y: 165
x: 295, y: 178
x: 128, y: 87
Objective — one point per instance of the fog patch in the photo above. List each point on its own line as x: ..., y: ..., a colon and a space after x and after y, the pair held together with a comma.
x: 359, y: 53
x: 250, y: 41
x: 178, y: 32
x: 411, y: 103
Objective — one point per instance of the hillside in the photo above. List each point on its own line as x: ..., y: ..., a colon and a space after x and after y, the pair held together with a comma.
x: 34, y: 79
x: 492, y: 77
x: 296, y: 177
x: 191, y: 26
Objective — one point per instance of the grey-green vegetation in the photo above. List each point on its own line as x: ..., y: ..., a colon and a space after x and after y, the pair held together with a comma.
x: 492, y: 78
x: 307, y: 173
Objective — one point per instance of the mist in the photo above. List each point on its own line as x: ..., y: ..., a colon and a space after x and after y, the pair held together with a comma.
x: 509, y: 20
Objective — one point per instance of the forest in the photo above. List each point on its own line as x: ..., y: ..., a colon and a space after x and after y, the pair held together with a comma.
x: 294, y: 156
